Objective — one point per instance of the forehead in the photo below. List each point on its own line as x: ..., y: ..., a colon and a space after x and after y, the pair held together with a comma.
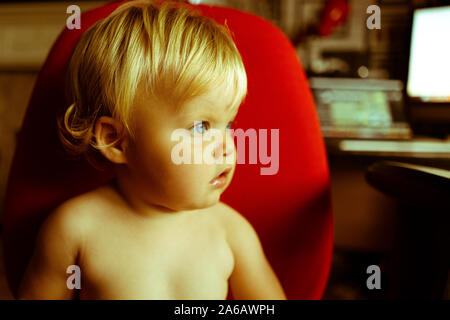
x: 220, y: 100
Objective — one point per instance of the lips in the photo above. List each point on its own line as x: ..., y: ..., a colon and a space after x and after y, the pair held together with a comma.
x: 221, y: 179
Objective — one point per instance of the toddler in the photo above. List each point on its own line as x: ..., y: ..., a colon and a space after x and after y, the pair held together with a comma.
x: 158, y: 230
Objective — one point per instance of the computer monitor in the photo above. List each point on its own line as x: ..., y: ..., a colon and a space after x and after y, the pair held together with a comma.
x: 428, y: 83
x: 429, y: 62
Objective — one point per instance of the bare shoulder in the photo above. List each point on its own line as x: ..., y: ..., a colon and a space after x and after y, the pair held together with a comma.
x: 226, y: 213
x: 236, y: 225
x: 60, y: 241
x: 76, y: 214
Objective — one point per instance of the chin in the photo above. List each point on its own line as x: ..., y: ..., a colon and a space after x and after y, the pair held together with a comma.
x: 196, y: 201
x: 207, y: 203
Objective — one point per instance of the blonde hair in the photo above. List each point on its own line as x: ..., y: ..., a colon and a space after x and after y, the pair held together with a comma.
x: 169, y: 48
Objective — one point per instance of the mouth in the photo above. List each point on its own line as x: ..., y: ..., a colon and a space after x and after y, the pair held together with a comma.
x: 221, y: 179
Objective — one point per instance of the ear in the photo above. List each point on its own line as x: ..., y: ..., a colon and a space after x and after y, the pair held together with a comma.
x: 106, y: 131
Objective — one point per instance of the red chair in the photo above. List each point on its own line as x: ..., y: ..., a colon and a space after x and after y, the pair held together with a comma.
x: 291, y: 210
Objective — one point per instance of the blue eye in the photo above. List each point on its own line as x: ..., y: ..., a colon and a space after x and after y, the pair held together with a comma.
x: 200, y: 127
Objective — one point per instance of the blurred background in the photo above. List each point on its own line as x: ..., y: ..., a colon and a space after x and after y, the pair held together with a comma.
x: 381, y: 84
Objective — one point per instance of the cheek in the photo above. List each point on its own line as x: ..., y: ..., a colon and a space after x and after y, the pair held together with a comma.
x: 152, y: 161
x: 149, y: 158
x: 189, y: 175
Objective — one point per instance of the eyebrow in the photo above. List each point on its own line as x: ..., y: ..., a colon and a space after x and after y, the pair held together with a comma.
x: 207, y: 114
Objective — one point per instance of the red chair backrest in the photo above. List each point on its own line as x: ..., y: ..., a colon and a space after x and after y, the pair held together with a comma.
x: 290, y: 210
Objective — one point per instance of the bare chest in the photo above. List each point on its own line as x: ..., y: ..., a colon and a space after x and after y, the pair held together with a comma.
x: 180, y: 261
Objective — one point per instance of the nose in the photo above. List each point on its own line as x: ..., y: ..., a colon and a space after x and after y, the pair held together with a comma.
x: 226, y: 147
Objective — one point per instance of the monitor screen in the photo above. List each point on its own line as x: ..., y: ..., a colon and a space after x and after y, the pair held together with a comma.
x: 429, y: 62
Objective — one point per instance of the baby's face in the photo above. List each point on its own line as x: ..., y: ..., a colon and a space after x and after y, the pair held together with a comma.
x: 155, y: 176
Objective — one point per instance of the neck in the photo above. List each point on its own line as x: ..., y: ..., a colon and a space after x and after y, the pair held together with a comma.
x: 123, y: 186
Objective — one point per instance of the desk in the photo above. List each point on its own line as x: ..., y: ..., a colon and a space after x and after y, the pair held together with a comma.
x: 365, y: 218
x: 417, y: 148
x: 423, y: 250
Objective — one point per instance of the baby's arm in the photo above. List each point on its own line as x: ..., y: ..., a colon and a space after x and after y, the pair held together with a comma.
x: 252, y: 278
x: 56, y: 248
